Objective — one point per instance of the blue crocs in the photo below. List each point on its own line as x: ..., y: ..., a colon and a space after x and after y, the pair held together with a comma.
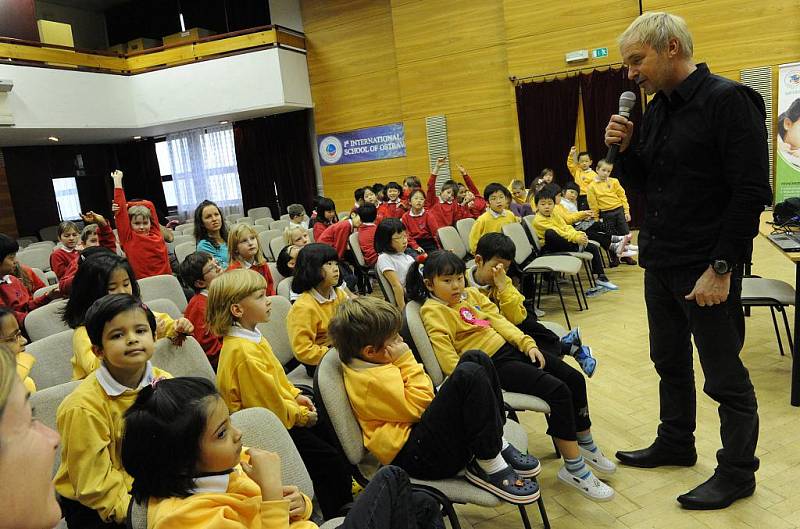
x: 526, y: 465
x: 573, y: 337
x: 586, y: 360
x: 505, y: 484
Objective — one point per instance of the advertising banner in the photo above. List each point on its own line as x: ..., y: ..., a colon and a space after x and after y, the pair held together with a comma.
x: 362, y: 145
x: 787, y: 161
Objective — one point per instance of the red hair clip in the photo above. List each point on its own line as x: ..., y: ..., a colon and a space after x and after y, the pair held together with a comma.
x: 155, y: 381
x: 421, y: 258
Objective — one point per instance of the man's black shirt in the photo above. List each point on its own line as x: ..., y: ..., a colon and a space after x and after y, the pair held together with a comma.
x: 703, y: 163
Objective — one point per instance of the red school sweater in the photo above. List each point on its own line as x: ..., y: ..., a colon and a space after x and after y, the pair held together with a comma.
x: 337, y: 235
x: 105, y: 237
x: 146, y: 252
x: 394, y: 209
x: 319, y: 228
x: 61, y: 259
x: 262, y: 269
x: 419, y: 227
x: 441, y: 213
x: 15, y: 296
x: 366, y: 239
x: 196, y: 313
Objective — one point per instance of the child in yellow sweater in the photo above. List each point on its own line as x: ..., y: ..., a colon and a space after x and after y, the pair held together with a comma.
x: 91, y: 481
x: 101, y: 274
x: 317, y: 281
x: 495, y: 217
x: 249, y: 375
x: 580, y: 167
x: 608, y: 202
x: 189, y: 466
x: 458, y: 319
x: 405, y: 424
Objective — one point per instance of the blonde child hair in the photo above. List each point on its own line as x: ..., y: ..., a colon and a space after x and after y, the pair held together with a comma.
x: 88, y: 231
x: 235, y: 236
x: 291, y: 232
x: 139, y: 211
x: 226, y: 290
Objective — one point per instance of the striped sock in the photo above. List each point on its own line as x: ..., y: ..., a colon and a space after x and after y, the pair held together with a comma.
x: 577, y: 467
x: 586, y: 442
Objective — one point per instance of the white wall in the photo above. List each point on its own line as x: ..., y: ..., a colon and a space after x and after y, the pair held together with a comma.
x: 88, y: 27
x: 93, y: 107
x: 286, y: 13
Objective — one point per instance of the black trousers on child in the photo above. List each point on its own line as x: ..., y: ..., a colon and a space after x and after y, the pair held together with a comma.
x: 615, y: 222
x: 559, y: 385
x: 554, y: 243
x: 79, y: 516
x: 329, y: 469
x: 388, y: 502
x: 546, y: 340
x: 718, y: 333
x: 597, y: 232
x: 465, y: 419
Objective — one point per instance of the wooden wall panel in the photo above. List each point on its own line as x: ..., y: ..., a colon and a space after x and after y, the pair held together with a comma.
x: 525, y: 18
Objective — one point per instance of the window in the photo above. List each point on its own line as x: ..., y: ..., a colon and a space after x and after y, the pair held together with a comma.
x: 69, y: 204
x: 165, y: 166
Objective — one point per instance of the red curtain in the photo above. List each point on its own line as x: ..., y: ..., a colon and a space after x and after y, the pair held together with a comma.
x: 600, y: 91
x: 547, y: 113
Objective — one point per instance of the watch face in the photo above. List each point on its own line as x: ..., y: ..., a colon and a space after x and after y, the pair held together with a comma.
x: 721, y: 267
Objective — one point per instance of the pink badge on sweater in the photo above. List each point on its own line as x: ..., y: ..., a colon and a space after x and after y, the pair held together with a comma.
x: 470, y: 318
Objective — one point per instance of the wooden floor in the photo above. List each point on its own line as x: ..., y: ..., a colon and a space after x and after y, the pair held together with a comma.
x: 623, y: 399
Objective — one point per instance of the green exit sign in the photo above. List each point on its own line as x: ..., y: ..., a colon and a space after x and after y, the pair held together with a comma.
x: 599, y: 53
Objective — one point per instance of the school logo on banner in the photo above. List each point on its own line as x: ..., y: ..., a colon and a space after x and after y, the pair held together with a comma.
x: 362, y: 145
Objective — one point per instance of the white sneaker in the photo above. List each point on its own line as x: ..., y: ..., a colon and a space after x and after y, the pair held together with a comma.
x: 633, y: 247
x: 628, y: 253
x: 591, y: 487
x: 607, y: 284
x: 539, y: 312
x: 598, y: 461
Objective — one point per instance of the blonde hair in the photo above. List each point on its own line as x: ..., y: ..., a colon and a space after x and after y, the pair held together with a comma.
x: 655, y: 29
x: 8, y: 375
x: 226, y: 290
x: 360, y: 322
x: 288, y: 233
x: 88, y: 231
x: 139, y: 211
x: 516, y: 184
x: 239, y: 232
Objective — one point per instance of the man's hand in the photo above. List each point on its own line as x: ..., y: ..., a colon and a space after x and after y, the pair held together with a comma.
x: 710, y: 289
x: 619, y: 130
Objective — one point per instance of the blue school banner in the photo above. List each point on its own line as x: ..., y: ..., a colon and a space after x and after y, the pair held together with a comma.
x: 362, y: 145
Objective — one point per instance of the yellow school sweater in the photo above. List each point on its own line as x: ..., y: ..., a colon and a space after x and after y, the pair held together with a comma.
x: 25, y: 362
x: 570, y: 217
x: 387, y: 400
x: 249, y: 376
x: 554, y: 222
x: 509, y: 301
x: 452, y: 335
x: 605, y: 195
x: 91, y: 422
x: 238, y: 505
x: 489, y: 222
x: 582, y: 178
x: 84, y: 361
x: 307, y: 323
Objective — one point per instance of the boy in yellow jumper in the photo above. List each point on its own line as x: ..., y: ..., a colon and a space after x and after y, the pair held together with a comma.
x: 249, y: 375
x: 608, y: 202
x: 555, y: 235
x: 93, y: 485
x: 497, y: 216
x: 405, y: 424
x: 580, y: 167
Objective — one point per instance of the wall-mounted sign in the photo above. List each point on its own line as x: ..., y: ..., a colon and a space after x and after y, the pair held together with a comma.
x: 599, y: 53
x: 362, y: 145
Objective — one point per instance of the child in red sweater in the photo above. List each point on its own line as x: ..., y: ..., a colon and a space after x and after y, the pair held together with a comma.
x: 245, y: 252
x: 140, y: 235
x: 395, y: 206
x: 66, y: 252
x: 443, y: 209
x: 473, y: 205
x: 325, y: 217
x: 197, y: 271
x: 13, y: 293
x: 337, y: 234
x: 366, y: 233
x: 419, y: 224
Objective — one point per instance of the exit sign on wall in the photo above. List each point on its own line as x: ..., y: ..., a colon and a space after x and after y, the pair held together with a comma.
x: 599, y: 53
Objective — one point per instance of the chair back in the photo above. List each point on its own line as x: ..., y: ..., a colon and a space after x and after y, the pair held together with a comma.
x: 185, y: 360
x: 451, y: 240
x: 244, y: 220
x: 464, y: 227
x: 233, y: 217
x: 40, y: 274
x: 386, y: 288
x: 422, y: 343
x: 355, y: 245
x: 284, y: 288
x: 41, y: 244
x: 259, y: 213
x: 166, y: 306
x: 26, y: 241
x: 184, y: 249
x: 528, y: 222
x: 516, y: 233
x: 36, y: 257
x: 279, y: 224
x: 185, y: 229
x: 265, y: 239
x: 557, y: 329
x: 49, y: 233
x: 276, y: 245
x: 45, y: 403
x: 263, y: 221
x: 275, y: 330
x: 46, y: 320
x: 181, y: 238
x: 53, y: 354
x: 329, y: 389
x: 44, y: 290
x: 163, y: 286
x: 276, y: 276
x: 285, y: 217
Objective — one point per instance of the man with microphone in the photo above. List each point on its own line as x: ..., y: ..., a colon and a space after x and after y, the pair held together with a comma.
x: 702, y: 160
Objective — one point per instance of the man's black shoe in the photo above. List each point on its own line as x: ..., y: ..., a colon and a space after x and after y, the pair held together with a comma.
x: 656, y: 456
x: 716, y: 493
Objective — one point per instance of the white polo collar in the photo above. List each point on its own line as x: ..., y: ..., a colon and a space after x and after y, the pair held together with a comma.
x: 496, y: 215
x: 209, y: 484
x: 421, y: 213
x: 322, y: 299
x: 114, y: 388
x: 240, y: 332
x: 6, y: 279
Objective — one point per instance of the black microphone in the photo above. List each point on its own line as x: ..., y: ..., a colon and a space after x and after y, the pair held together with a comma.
x: 626, y: 102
